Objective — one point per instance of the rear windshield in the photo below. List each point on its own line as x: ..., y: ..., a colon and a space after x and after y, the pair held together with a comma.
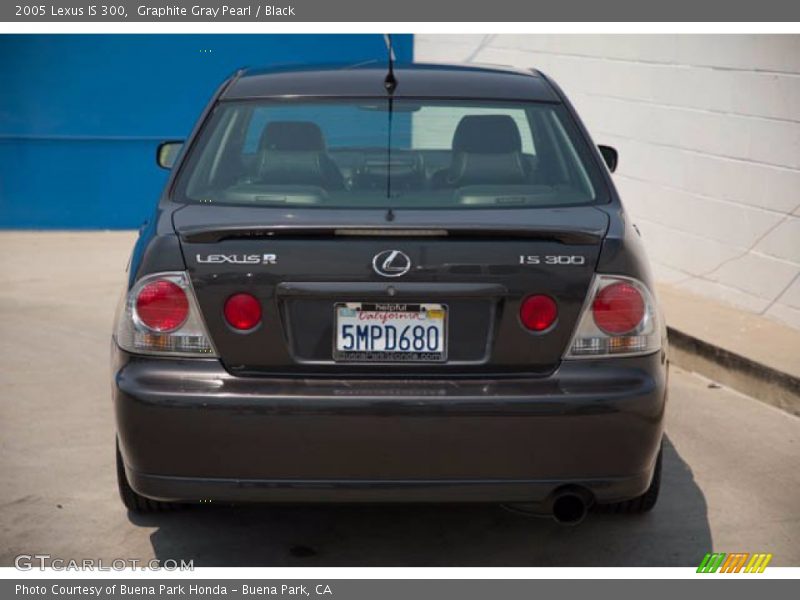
x: 390, y: 153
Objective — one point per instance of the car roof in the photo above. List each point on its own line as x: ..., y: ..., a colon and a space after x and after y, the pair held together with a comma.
x: 416, y: 80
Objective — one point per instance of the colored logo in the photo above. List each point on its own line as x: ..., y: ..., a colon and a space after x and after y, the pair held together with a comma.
x: 737, y: 562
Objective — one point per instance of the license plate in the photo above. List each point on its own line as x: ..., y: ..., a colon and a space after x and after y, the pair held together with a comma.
x: 383, y: 332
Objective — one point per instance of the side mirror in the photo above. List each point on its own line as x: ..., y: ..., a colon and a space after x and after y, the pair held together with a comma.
x: 167, y: 153
x: 610, y: 156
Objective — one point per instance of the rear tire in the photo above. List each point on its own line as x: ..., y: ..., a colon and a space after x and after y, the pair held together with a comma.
x: 136, y: 502
x: 646, y: 501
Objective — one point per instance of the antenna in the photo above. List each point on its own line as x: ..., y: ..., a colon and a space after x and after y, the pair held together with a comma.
x: 390, y: 83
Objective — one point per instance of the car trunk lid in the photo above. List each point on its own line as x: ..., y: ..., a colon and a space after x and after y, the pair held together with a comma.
x: 479, y: 264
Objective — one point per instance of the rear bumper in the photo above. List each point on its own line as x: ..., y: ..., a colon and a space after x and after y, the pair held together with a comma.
x: 190, y: 431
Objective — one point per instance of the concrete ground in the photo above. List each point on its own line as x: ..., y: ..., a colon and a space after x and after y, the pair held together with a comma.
x: 752, y: 336
x: 748, y: 352
x: 730, y: 474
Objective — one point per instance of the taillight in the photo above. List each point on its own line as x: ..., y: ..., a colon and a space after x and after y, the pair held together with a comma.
x: 618, y: 308
x: 621, y: 318
x: 159, y: 315
x: 162, y: 306
x: 242, y: 311
x: 538, y: 312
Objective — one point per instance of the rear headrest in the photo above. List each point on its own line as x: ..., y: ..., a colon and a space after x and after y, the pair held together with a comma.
x: 470, y: 168
x: 487, y: 134
x: 292, y: 136
x: 290, y: 168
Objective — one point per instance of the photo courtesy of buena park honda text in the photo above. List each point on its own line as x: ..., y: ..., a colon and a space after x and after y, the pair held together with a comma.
x: 350, y: 299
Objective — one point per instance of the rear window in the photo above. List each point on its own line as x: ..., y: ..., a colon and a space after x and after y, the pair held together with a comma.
x: 381, y: 153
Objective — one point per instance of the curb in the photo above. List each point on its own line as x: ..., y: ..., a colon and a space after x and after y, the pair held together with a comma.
x: 755, y: 379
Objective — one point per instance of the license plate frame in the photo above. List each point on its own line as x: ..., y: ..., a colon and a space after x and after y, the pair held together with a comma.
x: 391, y: 356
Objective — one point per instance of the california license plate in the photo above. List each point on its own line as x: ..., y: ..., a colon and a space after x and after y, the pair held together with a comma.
x: 384, y: 332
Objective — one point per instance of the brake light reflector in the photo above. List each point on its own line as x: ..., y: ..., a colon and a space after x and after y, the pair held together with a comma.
x: 538, y: 312
x: 618, y: 308
x: 162, y: 306
x: 242, y: 311
x: 620, y: 318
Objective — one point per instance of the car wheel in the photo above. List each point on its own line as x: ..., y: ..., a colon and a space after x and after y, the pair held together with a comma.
x: 646, y: 501
x: 133, y: 501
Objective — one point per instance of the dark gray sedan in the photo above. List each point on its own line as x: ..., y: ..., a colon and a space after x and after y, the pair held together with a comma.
x: 413, y: 287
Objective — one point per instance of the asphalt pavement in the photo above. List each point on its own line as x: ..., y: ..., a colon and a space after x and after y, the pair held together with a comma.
x: 731, y: 481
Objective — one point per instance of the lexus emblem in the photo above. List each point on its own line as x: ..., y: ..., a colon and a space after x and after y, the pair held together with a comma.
x: 391, y: 263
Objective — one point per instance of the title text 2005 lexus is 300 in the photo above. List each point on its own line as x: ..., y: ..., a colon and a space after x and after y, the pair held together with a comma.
x: 413, y: 287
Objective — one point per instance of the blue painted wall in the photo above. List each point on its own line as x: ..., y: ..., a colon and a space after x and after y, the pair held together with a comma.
x: 81, y: 115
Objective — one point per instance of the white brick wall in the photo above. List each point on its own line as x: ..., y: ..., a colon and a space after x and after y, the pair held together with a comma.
x: 708, y: 129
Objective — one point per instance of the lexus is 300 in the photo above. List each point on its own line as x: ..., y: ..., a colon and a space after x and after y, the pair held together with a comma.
x: 419, y: 286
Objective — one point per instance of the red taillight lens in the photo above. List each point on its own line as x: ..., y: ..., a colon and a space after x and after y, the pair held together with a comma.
x: 618, y: 308
x: 242, y: 311
x: 162, y: 306
x: 538, y: 312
